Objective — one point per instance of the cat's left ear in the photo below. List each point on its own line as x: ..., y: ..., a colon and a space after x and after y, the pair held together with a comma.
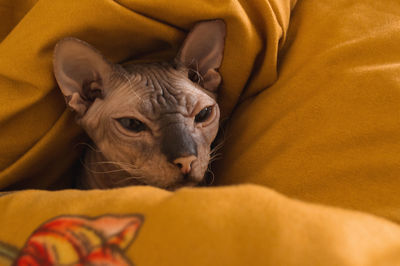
x: 81, y: 73
x: 202, y: 52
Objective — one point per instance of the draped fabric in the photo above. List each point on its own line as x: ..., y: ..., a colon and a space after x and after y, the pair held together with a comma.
x: 312, y: 93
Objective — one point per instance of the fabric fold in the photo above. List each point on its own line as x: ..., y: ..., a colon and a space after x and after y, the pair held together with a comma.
x: 235, y: 225
x: 123, y: 30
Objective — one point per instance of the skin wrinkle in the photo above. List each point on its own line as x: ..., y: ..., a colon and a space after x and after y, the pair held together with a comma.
x: 167, y: 95
x: 169, y: 98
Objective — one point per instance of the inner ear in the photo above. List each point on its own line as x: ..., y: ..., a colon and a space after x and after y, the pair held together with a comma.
x: 202, y: 52
x: 81, y: 72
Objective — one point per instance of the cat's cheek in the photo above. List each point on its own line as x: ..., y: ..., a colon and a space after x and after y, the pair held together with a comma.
x: 204, y: 138
x: 199, y: 166
x: 198, y: 171
x: 207, y: 134
x: 159, y: 172
x: 213, y: 130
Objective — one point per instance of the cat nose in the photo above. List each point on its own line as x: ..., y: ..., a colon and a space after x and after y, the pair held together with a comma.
x: 184, y: 163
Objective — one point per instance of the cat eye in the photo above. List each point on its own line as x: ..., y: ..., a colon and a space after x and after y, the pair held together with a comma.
x: 203, y: 115
x: 132, y: 124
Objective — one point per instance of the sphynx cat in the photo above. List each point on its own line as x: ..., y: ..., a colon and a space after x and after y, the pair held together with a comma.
x: 150, y: 123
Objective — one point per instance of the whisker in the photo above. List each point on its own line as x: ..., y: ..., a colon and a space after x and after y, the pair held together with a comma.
x: 107, y: 172
x: 217, y: 147
x: 131, y: 166
x: 215, y: 159
x: 214, y: 156
x: 102, y: 172
x: 129, y: 178
x: 115, y: 164
x: 87, y: 145
x: 212, y: 176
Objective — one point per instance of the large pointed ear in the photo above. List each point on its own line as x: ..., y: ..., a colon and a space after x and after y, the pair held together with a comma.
x: 81, y: 72
x: 202, y: 52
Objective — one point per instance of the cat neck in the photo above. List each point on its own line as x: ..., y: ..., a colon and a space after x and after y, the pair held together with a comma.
x: 100, y: 173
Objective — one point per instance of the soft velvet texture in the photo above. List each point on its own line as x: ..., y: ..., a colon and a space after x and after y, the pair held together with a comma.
x: 315, y: 111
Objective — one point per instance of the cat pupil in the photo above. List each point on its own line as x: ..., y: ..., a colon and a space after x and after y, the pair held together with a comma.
x: 132, y: 124
x: 203, y: 115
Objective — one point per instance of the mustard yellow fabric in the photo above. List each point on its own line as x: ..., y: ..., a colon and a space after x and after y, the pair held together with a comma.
x: 237, y: 225
x: 328, y: 130
x: 314, y: 94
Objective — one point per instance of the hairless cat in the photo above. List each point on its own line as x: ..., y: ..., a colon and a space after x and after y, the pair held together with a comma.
x: 151, y: 123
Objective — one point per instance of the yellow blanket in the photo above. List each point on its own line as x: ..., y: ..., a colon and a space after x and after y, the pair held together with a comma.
x: 313, y: 89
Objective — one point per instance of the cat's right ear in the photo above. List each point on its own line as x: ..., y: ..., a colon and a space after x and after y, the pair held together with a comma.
x: 202, y: 52
x: 81, y: 72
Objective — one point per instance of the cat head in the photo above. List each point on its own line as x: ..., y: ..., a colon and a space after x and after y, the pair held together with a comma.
x: 155, y: 120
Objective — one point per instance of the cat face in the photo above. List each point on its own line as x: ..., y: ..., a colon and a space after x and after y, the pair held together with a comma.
x: 156, y: 121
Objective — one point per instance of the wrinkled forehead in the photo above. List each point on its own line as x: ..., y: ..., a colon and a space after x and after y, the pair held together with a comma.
x: 159, y: 89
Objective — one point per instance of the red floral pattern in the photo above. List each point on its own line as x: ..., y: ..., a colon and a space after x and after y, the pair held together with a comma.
x: 69, y: 240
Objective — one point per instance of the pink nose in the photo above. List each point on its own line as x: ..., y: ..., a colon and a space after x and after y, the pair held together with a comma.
x: 184, y: 163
